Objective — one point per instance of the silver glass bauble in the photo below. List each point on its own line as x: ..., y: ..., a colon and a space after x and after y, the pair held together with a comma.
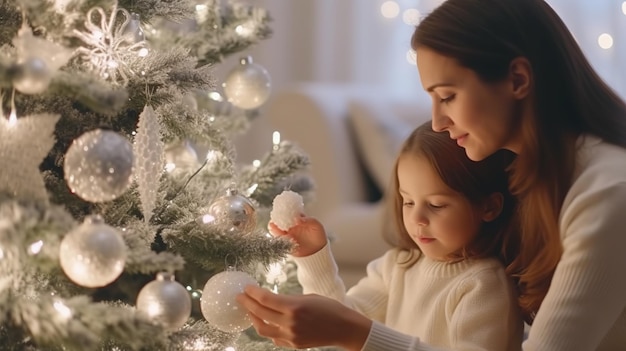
x: 98, y: 165
x: 232, y: 212
x: 166, y: 301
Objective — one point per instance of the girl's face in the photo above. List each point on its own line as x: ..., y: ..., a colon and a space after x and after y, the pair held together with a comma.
x: 440, y: 220
x: 481, y: 117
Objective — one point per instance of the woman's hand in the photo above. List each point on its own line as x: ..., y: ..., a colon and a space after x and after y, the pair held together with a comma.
x: 308, y: 234
x: 304, y: 321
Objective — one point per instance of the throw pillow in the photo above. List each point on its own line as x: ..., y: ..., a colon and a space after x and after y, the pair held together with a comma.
x: 379, y: 134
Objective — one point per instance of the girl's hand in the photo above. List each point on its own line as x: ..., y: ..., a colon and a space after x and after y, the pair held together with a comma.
x: 308, y: 234
x: 302, y: 321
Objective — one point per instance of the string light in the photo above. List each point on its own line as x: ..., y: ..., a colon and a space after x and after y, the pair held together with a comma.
x: 35, y: 247
x: 605, y: 41
x: 64, y: 312
x: 390, y: 9
x: 411, y: 17
x: 411, y: 57
x: 275, y: 139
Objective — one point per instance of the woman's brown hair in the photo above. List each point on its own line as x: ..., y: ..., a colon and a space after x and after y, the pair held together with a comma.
x: 570, y: 100
x: 476, y: 181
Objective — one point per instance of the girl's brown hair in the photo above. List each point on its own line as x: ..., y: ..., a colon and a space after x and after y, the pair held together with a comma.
x: 570, y: 100
x: 476, y: 181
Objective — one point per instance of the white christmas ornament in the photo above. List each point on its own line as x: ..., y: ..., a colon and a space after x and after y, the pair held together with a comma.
x: 93, y: 254
x: 219, y: 305
x: 99, y: 165
x: 166, y: 301
x: 148, y: 151
x: 38, y: 60
x: 232, y: 212
x: 24, y: 143
x: 286, y: 208
x: 248, y: 85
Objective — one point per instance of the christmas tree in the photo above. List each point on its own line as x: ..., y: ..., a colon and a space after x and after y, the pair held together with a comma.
x: 126, y: 221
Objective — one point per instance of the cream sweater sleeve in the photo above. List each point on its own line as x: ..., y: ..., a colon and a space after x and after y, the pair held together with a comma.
x: 318, y: 274
x: 588, y: 290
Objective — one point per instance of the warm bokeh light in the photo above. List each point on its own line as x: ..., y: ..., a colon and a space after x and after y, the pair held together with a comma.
x: 605, y: 41
x: 390, y: 9
x: 411, y: 56
x: 411, y: 17
x: 624, y: 7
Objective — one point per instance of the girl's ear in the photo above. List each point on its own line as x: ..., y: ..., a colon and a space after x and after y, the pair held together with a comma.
x: 521, y: 74
x: 493, y: 207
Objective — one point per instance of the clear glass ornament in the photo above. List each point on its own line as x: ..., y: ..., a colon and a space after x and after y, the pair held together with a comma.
x: 232, y: 212
x: 181, y: 156
x: 166, y: 301
x: 219, y: 305
x: 93, y: 254
x: 132, y: 32
x: 33, y: 76
x: 247, y: 86
x: 98, y: 165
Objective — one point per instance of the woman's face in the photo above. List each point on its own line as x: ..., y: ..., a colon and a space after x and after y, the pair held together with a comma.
x: 481, y: 117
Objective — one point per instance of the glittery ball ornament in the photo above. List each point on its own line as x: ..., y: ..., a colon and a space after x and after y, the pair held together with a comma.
x: 219, y: 305
x: 233, y: 212
x: 166, y: 301
x: 286, y: 208
x: 99, y: 165
x: 248, y: 85
x: 93, y: 255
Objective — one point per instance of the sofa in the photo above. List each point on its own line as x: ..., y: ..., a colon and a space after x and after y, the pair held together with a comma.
x: 352, y: 134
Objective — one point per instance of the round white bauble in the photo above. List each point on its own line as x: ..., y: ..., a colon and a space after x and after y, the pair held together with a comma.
x: 286, y: 208
x: 219, y: 305
x: 233, y: 213
x: 166, y: 301
x: 33, y: 76
x: 93, y: 254
x: 248, y: 85
x: 98, y: 165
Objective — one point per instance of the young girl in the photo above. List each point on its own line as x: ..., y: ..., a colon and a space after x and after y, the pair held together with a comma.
x: 443, y: 281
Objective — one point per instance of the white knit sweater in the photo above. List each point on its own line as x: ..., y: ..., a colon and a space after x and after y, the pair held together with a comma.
x: 468, y: 305
x: 585, y: 308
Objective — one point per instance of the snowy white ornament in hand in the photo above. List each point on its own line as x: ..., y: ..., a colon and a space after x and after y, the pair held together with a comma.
x: 166, y: 301
x: 232, y: 212
x: 286, y: 208
x: 248, y: 85
x: 219, y: 305
x: 99, y: 165
x: 93, y: 254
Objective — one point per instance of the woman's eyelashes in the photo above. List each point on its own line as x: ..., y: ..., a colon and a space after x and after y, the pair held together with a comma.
x: 448, y: 99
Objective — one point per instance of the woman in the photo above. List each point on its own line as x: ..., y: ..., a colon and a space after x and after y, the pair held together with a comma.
x: 507, y: 74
